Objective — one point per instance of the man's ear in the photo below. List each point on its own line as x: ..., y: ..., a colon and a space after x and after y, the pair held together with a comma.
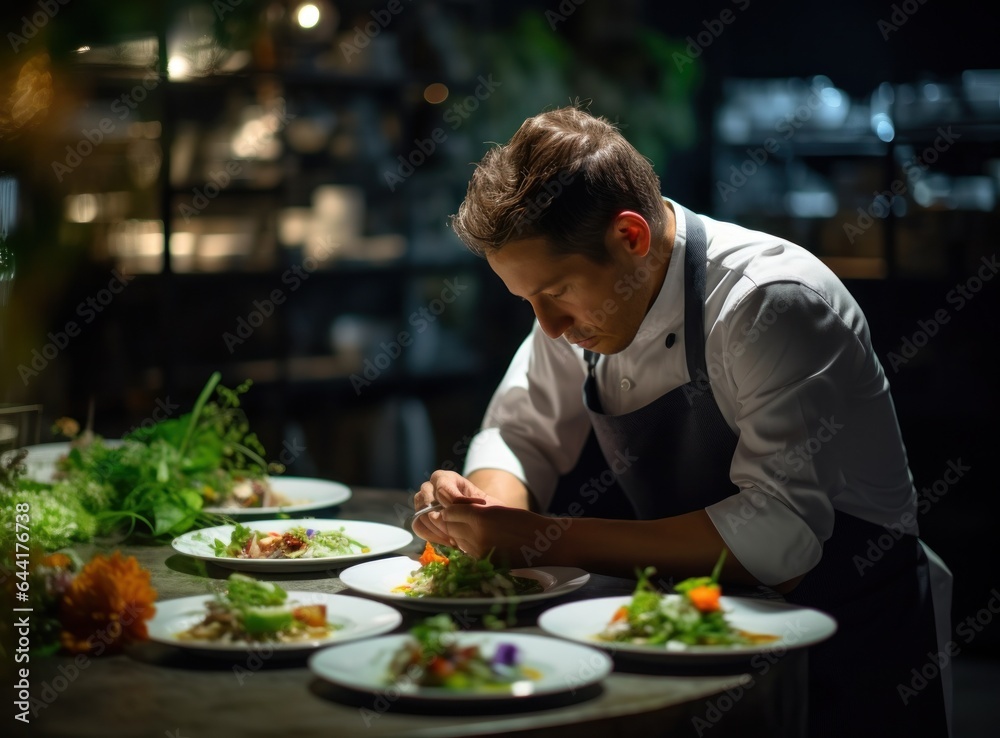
x: 631, y: 231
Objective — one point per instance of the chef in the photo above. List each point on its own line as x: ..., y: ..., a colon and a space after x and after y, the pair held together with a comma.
x: 729, y: 380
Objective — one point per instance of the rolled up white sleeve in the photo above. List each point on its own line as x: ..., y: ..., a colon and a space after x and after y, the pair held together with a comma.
x: 536, y: 424
x: 792, y: 354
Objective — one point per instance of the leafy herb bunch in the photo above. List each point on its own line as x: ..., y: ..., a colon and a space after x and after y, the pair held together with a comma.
x: 153, y: 484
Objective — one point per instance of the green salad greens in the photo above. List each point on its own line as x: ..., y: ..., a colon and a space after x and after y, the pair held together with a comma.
x: 690, y: 616
x: 252, y: 610
x: 433, y: 656
x: 298, y: 542
x: 153, y: 483
x: 454, y: 573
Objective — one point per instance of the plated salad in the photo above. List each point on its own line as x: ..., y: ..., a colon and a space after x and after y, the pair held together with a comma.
x: 245, y: 494
x: 453, y: 573
x: 691, y: 616
x: 433, y: 657
x: 299, y: 542
x: 255, y: 611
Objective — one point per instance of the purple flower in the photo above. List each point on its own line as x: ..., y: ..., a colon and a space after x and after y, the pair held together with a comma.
x: 310, y: 532
x: 505, y: 655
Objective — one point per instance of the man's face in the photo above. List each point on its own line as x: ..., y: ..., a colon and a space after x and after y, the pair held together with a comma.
x: 595, y: 306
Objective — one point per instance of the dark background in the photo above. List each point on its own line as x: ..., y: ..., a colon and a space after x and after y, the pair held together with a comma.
x: 161, y: 338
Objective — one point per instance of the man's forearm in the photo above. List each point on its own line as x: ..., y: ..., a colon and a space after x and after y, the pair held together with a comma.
x: 503, y: 486
x: 679, y: 547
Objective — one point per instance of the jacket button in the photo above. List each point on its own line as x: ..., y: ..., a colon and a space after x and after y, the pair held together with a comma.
x: 625, y: 384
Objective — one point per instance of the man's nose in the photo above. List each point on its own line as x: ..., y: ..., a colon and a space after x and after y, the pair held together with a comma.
x: 552, y: 320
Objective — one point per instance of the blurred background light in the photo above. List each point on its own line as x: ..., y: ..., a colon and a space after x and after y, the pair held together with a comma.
x: 435, y: 93
x: 307, y: 15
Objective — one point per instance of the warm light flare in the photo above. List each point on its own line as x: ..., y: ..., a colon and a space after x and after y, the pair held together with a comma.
x: 307, y: 15
x: 30, y: 97
x: 435, y: 93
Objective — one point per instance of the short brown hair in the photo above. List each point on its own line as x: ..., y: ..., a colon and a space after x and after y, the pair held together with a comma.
x: 563, y: 177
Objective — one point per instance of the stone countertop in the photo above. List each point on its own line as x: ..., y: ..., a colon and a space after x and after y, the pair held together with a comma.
x: 158, y: 690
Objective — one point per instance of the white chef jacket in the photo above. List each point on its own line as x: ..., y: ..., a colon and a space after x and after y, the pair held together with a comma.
x: 794, y: 374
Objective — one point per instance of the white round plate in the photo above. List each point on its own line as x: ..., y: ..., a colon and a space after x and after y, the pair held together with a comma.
x: 356, y: 618
x: 379, y: 579
x: 562, y: 666
x: 304, y: 493
x: 797, y: 627
x: 40, y: 463
x: 379, y: 537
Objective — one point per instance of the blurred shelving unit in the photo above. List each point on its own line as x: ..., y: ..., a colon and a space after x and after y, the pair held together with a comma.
x: 859, y: 181
x: 264, y: 183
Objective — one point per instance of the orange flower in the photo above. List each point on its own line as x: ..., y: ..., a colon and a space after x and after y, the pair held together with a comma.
x: 56, y: 561
x: 107, y: 605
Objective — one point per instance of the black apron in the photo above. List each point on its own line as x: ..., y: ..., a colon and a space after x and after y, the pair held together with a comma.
x: 885, y: 618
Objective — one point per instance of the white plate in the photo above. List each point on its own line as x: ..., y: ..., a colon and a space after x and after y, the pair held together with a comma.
x: 379, y: 578
x: 40, y: 463
x: 380, y: 538
x: 304, y: 493
x: 357, y: 618
x: 797, y: 627
x: 563, y: 667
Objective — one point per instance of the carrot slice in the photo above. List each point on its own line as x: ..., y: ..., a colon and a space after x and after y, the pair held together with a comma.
x: 430, y: 555
x: 706, y: 598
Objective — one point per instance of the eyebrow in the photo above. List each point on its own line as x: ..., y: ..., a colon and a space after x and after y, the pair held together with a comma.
x: 548, y: 285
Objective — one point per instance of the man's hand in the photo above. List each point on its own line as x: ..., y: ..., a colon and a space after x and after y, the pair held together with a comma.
x: 505, y: 531
x: 473, y: 520
x: 448, y: 489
